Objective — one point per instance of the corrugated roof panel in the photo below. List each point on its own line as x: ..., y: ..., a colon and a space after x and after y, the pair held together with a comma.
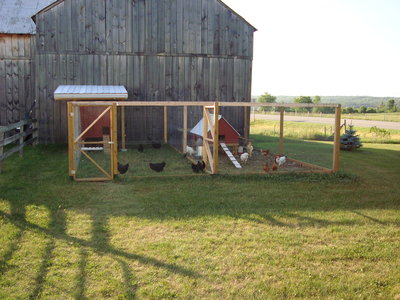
x: 91, y: 92
x: 16, y: 15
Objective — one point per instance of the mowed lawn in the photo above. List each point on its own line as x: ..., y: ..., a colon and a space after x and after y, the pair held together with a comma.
x: 207, y: 237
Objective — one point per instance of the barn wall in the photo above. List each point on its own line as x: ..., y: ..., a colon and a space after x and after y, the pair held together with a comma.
x: 16, y: 80
x: 173, y: 50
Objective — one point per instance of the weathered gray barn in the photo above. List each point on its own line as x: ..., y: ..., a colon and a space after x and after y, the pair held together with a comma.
x: 160, y: 50
x: 17, y: 40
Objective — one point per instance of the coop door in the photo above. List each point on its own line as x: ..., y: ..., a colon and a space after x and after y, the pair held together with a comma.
x: 92, y: 142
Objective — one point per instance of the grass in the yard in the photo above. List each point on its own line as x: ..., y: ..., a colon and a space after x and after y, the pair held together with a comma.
x: 209, y: 237
x: 388, y: 117
x: 315, y: 131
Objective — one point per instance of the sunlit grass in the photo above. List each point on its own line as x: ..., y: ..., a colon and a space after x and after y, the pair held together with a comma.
x: 209, y: 237
x: 315, y: 131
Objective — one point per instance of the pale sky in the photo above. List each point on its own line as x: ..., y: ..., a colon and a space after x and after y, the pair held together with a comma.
x: 324, y: 47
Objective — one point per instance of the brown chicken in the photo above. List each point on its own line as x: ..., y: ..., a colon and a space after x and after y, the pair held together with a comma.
x: 264, y: 152
x: 266, y: 168
x: 274, y: 167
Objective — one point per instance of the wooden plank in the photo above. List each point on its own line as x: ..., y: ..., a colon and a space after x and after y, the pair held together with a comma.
x: 185, y: 128
x: 123, y: 134
x: 114, y: 140
x: 16, y: 149
x: 336, y: 143
x: 209, y: 157
x: 16, y: 137
x: 3, y: 102
x: 166, y: 125
x: 200, y: 103
x: 109, y: 176
x: 209, y: 123
x: 71, y: 146
x: 308, y: 165
x: 122, y: 21
x: 216, y: 138
x: 179, y: 27
x: 9, y: 91
x: 281, y: 123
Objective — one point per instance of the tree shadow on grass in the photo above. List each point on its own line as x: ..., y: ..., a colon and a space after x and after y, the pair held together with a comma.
x: 270, y: 200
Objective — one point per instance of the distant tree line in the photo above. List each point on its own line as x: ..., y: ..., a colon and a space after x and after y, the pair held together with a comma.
x: 385, y: 106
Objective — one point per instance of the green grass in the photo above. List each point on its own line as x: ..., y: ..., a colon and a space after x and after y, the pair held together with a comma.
x: 209, y: 237
x: 315, y: 131
x: 389, y: 117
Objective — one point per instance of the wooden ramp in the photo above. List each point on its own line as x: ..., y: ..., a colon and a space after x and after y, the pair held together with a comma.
x: 230, y: 155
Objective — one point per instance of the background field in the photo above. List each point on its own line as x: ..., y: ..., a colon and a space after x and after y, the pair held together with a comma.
x: 201, y: 237
x: 315, y: 131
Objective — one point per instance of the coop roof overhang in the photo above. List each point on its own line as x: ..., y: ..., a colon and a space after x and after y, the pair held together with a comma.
x: 91, y: 92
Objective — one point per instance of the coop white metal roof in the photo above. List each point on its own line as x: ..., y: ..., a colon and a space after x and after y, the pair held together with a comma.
x: 198, y: 129
x: 91, y: 92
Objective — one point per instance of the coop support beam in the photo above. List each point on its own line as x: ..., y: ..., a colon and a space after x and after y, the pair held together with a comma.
x: 165, y: 125
x: 123, y: 130
x: 184, y: 143
x: 281, y: 131
x: 114, y: 140
x: 205, y: 131
x: 216, y: 140
x: 71, y: 143
x: 336, y: 146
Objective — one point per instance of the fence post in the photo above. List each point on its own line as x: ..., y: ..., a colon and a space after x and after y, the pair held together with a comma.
x: 336, y: 146
x: 1, y: 149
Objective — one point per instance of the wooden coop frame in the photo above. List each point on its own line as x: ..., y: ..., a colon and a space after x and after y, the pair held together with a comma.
x: 210, y: 156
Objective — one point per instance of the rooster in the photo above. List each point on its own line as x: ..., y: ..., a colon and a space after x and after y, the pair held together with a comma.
x: 274, y: 167
x: 264, y: 152
x: 266, y: 168
x: 122, y: 169
x: 280, y: 159
x: 249, y: 148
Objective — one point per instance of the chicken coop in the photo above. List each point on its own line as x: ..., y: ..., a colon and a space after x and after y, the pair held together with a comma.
x: 97, y: 151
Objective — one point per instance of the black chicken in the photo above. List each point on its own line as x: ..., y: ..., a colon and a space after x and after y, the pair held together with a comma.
x: 158, y: 167
x: 156, y: 145
x: 122, y: 169
x: 202, y: 165
x: 199, y: 167
x: 140, y: 148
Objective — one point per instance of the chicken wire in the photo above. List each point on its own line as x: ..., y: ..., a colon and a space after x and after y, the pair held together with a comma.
x: 97, y: 148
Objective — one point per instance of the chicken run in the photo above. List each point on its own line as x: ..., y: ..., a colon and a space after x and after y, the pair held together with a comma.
x: 197, y: 139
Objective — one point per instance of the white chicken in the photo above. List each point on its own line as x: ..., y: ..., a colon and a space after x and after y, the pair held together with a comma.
x: 280, y: 159
x: 190, y: 150
x: 244, y: 157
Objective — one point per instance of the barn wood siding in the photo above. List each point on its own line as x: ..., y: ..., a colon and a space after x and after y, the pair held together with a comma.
x: 176, y: 50
x: 16, y: 80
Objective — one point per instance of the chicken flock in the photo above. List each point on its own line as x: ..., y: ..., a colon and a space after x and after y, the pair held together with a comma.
x: 277, y: 160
